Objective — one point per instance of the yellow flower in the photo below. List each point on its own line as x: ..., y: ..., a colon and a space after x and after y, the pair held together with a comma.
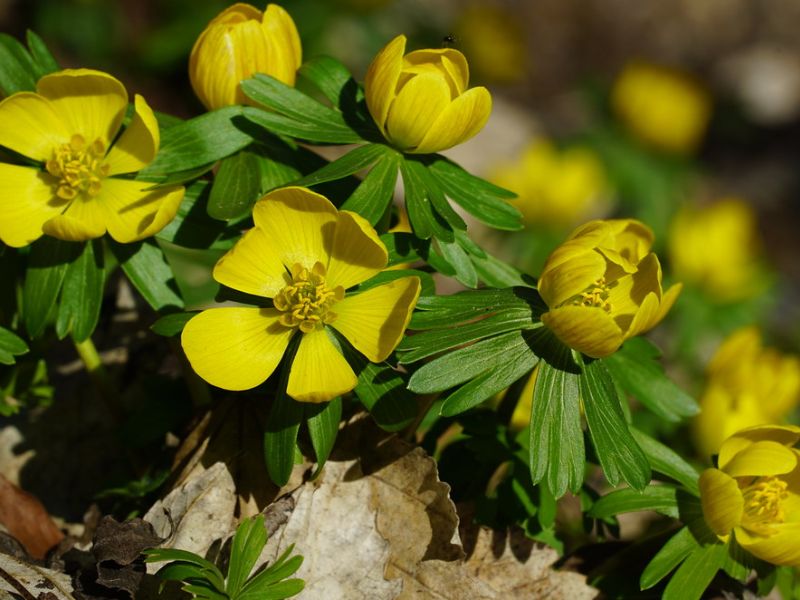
x: 238, y: 43
x: 661, y: 107
x: 755, y: 493
x: 68, y: 126
x: 556, y: 188
x: 420, y: 101
x: 603, y: 286
x: 494, y: 41
x: 304, y: 255
x: 717, y: 248
x: 522, y: 411
x: 747, y: 385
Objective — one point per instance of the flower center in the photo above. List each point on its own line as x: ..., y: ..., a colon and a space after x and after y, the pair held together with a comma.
x: 78, y: 167
x: 306, y: 301
x: 595, y: 295
x: 762, y: 504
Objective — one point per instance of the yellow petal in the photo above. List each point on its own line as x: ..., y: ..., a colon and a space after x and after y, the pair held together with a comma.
x: 380, y: 84
x: 132, y: 213
x: 31, y: 126
x: 82, y: 220
x: 645, y: 317
x: 357, y: 253
x: 787, y: 435
x: 722, y: 502
x: 235, y: 348
x: 319, y: 371
x: 587, y: 329
x: 668, y: 299
x: 632, y: 239
x: 569, y: 270
x: 415, y: 109
x: 463, y: 118
x: 761, y: 459
x: 374, y: 321
x: 26, y: 202
x: 90, y: 103
x: 449, y: 61
x: 212, y: 70
x: 780, y: 548
x: 300, y: 223
x: 138, y: 145
x: 253, y: 265
x: 281, y: 33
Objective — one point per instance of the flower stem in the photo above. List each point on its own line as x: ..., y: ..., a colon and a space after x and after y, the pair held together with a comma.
x: 98, y: 374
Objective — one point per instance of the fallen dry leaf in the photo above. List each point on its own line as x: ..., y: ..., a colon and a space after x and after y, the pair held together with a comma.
x: 22, y: 580
x: 27, y: 520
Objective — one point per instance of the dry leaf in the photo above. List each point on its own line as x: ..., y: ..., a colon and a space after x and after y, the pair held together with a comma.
x: 27, y: 519
x: 196, y: 514
x: 28, y: 581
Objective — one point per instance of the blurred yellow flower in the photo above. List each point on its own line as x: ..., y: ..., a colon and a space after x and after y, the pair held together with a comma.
x: 716, y: 247
x: 747, y: 385
x: 603, y: 286
x: 420, y: 101
x: 238, y: 43
x: 755, y: 493
x: 303, y: 254
x: 555, y: 188
x: 70, y: 126
x: 522, y: 411
x: 663, y: 108
x: 494, y: 41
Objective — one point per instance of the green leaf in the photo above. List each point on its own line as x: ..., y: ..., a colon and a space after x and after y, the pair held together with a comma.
x: 635, y: 368
x: 496, y: 273
x: 455, y: 255
x: 619, y: 454
x: 10, y: 345
x: 658, y: 498
x: 146, y: 268
x: 17, y: 69
x: 203, y: 591
x: 323, y: 426
x: 283, y: 424
x: 82, y: 293
x: 427, y: 285
x: 445, y: 311
x: 696, y: 573
x: 277, y: 591
x: 47, y: 267
x: 516, y: 362
x: 248, y: 542
x: 425, y: 221
x: 373, y: 196
x: 677, y: 548
x: 328, y: 75
x: 462, y: 365
x: 198, y: 142
x: 172, y: 324
x: 295, y: 114
x: 404, y: 247
x: 382, y: 391
x: 236, y: 186
x: 352, y: 162
x: 485, y: 201
x: 434, y: 192
x: 556, y: 452
x: 666, y: 461
x: 212, y: 573
x: 42, y: 57
x: 192, y: 227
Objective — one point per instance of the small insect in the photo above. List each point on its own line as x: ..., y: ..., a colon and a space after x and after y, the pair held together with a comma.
x: 449, y: 41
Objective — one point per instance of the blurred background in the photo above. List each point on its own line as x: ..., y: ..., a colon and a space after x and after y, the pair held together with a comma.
x: 682, y: 113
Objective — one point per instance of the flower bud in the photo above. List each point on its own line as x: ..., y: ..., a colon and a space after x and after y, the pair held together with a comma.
x: 603, y: 286
x: 238, y: 43
x: 420, y: 101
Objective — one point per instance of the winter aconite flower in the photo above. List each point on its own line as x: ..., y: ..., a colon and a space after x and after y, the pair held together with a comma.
x: 755, y: 493
x: 69, y: 127
x: 662, y: 107
x: 716, y: 247
x: 603, y: 286
x: 420, y: 101
x: 748, y: 385
x: 304, y: 255
x: 555, y: 188
x: 238, y: 43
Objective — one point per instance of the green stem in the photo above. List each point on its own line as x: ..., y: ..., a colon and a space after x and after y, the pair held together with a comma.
x: 98, y: 374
